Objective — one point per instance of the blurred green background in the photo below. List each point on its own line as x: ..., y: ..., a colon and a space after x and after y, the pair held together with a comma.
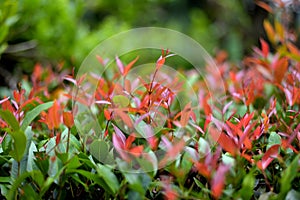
x: 67, y: 30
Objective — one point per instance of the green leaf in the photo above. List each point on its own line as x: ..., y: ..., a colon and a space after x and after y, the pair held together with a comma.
x: 288, y: 176
x: 274, y: 138
x: 148, y: 163
x: 29, y: 193
x: 7, y: 144
x: 50, y: 180
x: 30, y: 159
x: 27, y: 161
x: 10, y: 119
x: 42, y: 161
x: 16, y: 184
x: 78, y: 180
x: 90, y: 176
x: 31, y: 115
x: 38, y: 178
x: 74, y: 163
x: 109, y: 177
x: 99, y: 149
x: 121, y: 101
x: 200, y: 185
x: 247, y: 187
x: 142, y: 184
x: 85, y: 159
x: 19, y: 145
x: 4, y: 179
x: 63, y: 157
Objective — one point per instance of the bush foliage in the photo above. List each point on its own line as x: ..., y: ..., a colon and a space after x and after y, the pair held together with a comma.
x: 243, y: 145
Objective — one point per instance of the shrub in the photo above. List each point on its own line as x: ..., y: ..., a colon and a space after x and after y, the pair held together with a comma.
x: 145, y: 145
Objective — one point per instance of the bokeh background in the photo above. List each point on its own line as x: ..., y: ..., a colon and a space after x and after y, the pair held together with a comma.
x: 51, y: 32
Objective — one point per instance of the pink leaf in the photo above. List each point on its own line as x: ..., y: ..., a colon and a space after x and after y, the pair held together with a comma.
x: 120, y: 65
x: 71, y: 79
x: 3, y: 100
x: 217, y: 183
x: 120, y: 136
x: 102, y: 102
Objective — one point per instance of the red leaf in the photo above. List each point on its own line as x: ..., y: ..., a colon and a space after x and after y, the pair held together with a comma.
x: 293, y: 49
x: 153, y: 142
x: 264, y: 6
x: 160, y: 62
x: 264, y: 48
x: 172, y: 151
x: 100, y: 59
x: 235, y: 129
x: 269, y: 156
x: 33, y: 101
x: 203, y: 169
x: 3, y: 124
x: 125, y: 117
x: 17, y: 96
x: 128, y: 67
x: 280, y: 67
x: 107, y: 114
x: 6, y: 105
x: 57, y: 139
x: 257, y: 133
x: 185, y: 114
x: 206, y: 106
x: 54, y: 115
x: 127, y: 85
x: 137, y: 151
x: 225, y: 141
x: 68, y: 119
x: 129, y: 141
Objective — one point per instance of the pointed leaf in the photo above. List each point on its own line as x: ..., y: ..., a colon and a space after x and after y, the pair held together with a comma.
x: 270, y: 31
x: 225, y: 141
x: 269, y: 156
x: 185, y: 114
x: 218, y: 181
x: 280, y: 67
x: 31, y: 115
x: 109, y: 177
x: 264, y: 48
x: 10, y: 119
x: 128, y: 67
x: 160, y: 62
x: 19, y: 145
x: 120, y: 65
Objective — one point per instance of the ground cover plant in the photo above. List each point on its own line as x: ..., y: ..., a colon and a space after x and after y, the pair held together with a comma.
x: 146, y: 143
